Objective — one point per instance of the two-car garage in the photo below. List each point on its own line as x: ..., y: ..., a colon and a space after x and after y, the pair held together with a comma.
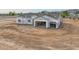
x: 47, y: 22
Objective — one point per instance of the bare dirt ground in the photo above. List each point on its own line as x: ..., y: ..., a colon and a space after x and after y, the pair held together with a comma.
x: 26, y: 37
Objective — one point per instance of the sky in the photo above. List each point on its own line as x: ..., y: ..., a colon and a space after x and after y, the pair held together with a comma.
x: 5, y: 11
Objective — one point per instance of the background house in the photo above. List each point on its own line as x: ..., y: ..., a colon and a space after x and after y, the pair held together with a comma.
x: 73, y: 13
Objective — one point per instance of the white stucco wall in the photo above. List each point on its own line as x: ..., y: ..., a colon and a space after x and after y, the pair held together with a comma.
x: 24, y: 20
x: 18, y: 21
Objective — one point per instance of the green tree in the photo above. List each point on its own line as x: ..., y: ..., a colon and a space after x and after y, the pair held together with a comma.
x: 64, y: 14
x: 12, y: 13
x: 43, y: 11
x: 77, y: 12
x: 21, y: 13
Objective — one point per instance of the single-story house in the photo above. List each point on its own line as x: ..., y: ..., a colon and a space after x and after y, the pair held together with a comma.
x: 35, y: 20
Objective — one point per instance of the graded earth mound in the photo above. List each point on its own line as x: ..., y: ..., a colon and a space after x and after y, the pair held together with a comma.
x: 26, y: 37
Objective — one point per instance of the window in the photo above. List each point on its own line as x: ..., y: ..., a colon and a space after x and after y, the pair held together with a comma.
x: 29, y: 20
x: 19, y: 20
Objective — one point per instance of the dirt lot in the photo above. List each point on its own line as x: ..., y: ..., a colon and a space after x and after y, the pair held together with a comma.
x: 26, y: 37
